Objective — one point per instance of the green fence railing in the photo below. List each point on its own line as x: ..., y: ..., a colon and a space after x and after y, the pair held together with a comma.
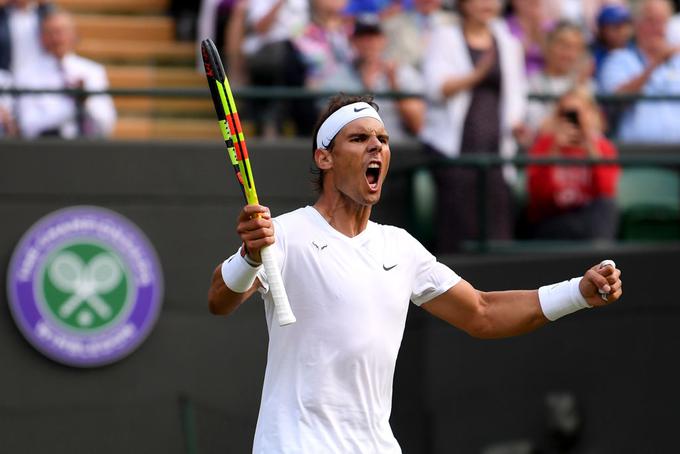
x: 287, y: 93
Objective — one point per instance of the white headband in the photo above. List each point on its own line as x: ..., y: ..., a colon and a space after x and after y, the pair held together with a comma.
x: 338, y: 119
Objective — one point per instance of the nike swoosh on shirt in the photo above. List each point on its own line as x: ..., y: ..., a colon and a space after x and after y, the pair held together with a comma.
x: 359, y: 110
x: 387, y: 268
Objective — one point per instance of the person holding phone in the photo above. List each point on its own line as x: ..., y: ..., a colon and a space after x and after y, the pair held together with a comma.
x: 573, y: 201
x: 567, y: 63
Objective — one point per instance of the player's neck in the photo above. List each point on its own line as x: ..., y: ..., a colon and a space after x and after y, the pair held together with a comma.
x: 344, y: 215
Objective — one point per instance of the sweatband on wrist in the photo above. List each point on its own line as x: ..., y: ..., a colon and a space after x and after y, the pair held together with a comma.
x: 338, y: 119
x: 250, y: 261
x: 563, y: 298
x: 238, y: 274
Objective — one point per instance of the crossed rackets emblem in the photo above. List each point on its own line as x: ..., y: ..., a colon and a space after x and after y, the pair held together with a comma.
x: 86, y: 282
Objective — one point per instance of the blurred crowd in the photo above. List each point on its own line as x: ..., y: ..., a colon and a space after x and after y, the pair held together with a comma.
x: 610, y: 46
x: 470, y: 66
x: 37, y: 51
x: 464, y: 69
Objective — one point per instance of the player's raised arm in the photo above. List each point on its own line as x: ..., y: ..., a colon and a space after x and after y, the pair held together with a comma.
x: 234, y: 280
x: 509, y: 313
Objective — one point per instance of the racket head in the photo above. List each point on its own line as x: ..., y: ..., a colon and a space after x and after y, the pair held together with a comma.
x: 212, y: 63
x: 228, y: 118
x: 214, y: 73
x: 216, y: 76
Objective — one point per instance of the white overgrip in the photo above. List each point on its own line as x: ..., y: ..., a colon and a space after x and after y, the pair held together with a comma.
x: 284, y: 314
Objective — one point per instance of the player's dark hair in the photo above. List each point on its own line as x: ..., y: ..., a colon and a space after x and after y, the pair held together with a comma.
x: 334, y: 103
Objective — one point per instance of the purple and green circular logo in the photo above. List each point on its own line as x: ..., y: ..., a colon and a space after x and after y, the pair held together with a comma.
x: 85, y: 286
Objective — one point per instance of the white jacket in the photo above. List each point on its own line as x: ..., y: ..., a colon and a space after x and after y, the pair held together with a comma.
x: 38, y: 113
x: 448, y: 56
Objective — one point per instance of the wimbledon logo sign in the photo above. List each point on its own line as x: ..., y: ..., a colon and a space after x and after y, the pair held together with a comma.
x: 85, y: 286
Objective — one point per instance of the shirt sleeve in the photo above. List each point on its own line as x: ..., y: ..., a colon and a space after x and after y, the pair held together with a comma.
x: 431, y: 278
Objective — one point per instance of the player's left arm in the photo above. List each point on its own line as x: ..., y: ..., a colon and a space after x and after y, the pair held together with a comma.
x: 492, y: 315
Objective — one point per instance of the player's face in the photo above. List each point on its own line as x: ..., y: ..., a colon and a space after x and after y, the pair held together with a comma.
x: 359, y: 161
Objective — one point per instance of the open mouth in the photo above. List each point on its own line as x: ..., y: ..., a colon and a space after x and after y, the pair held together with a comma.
x: 373, y: 175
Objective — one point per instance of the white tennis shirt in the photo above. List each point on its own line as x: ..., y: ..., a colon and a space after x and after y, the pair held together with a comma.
x: 328, y: 381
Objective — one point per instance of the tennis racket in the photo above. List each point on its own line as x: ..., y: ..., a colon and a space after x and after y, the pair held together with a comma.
x: 230, y: 126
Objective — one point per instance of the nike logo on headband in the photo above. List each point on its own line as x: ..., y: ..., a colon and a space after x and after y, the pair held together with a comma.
x: 338, y: 119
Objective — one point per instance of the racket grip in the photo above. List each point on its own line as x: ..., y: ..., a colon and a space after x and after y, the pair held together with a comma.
x: 284, y: 313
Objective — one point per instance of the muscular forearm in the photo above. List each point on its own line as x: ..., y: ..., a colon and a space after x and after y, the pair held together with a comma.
x: 491, y: 315
x: 510, y: 313
x: 235, y: 280
x: 221, y: 299
x: 488, y: 315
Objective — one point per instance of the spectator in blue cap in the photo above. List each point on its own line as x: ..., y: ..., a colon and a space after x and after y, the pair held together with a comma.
x: 650, y: 68
x: 614, y: 31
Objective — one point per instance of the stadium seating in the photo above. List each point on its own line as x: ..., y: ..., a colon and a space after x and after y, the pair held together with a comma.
x: 423, y: 203
x: 116, y: 6
x: 135, y: 40
x: 649, y: 204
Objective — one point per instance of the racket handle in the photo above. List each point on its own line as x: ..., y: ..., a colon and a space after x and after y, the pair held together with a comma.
x: 284, y: 313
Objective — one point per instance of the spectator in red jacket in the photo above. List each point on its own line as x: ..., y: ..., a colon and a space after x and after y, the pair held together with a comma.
x: 573, y: 201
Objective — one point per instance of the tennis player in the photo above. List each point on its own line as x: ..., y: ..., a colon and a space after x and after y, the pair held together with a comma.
x: 328, y: 381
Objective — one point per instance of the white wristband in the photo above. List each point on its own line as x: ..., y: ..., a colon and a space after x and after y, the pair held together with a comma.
x: 238, y: 274
x: 563, y: 298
